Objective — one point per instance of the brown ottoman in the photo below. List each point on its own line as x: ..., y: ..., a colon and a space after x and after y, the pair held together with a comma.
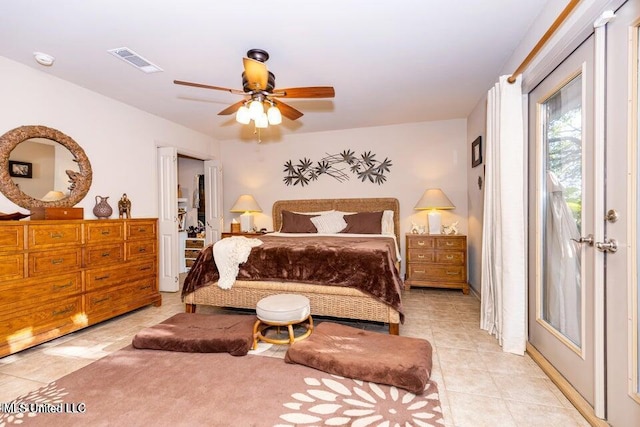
x: 364, y: 355
x: 200, y: 333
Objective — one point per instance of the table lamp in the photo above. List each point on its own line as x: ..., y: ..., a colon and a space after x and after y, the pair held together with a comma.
x: 432, y: 200
x: 246, y: 204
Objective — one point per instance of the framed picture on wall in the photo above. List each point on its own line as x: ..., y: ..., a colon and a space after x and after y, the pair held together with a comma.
x: 20, y: 169
x: 476, y: 152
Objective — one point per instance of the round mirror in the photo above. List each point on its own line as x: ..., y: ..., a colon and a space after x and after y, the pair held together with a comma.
x: 43, y: 167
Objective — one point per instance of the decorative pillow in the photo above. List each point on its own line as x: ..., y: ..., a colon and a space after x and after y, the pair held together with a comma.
x: 388, y: 226
x: 297, y: 223
x: 200, y: 333
x: 403, y: 362
x: 364, y: 223
x: 330, y: 223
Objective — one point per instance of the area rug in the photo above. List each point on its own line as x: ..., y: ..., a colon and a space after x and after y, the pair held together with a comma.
x: 134, y: 387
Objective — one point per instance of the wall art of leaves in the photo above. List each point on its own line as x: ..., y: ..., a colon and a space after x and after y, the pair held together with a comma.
x: 366, y: 167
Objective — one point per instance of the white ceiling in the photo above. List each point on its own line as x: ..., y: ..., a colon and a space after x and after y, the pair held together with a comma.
x: 390, y: 62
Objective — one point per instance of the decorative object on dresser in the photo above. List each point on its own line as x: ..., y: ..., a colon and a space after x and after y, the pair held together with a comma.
x: 60, y: 276
x: 57, y: 213
x: 124, y: 207
x: 102, y: 209
x: 246, y: 204
x: 235, y: 226
x: 432, y: 200
x: 436, y: 261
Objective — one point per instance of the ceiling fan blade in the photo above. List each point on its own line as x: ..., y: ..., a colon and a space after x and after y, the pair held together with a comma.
x: 256, y: 73
x: 200, y: 85
x: 231, y: 108
x: 306, y: 92
x: 288, y: 111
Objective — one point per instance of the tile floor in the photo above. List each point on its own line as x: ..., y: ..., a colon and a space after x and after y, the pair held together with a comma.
x: 479, y: 385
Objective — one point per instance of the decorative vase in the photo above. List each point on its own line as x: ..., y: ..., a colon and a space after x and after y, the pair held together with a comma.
x: 102, y: 210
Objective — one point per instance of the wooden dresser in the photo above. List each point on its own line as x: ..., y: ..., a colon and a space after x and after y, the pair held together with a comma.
x: 60, y: 276
x: 436, y: 261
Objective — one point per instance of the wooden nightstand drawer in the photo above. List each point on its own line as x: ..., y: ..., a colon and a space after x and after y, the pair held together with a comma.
x: 418, y: 241
x: 450, y: 243
x: 450, y: 257
x: 421, y: 255
x: 437, y: 273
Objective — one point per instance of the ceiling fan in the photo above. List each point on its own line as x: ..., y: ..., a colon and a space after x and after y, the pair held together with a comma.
x: 259, y: 89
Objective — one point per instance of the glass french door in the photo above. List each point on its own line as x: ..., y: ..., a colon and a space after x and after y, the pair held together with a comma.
x: 623, y: 224
x: 561, y: 300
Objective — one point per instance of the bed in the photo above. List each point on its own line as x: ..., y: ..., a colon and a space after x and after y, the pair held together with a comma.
x: 340, y: 300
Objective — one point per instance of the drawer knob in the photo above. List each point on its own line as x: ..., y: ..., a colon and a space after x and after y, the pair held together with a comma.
x: 452, y: 273
x: 421, y: 256
x: 103, y: 277
x: 142, y: 249
x: 106, y: 232
x: 142, y: 288
x: 56, y: 235
x: 418, y: 271
x: 144, y: 268
x: 57, y: 261
x: 449, y: 243
x: 449, y: 256
x: 106, y: 254
x: 421, y: 243
x: 100, y: 300
x: 141, y: 230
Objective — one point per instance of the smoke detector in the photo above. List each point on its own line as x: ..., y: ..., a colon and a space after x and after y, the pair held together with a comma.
x: 132, y: 58
x: 43, y: 59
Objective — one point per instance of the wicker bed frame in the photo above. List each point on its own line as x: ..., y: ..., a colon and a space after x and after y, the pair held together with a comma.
x: 333, y: 301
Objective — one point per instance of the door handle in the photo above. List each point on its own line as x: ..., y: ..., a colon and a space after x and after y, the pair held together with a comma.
x: 587, y: 239
x: 609, y: 245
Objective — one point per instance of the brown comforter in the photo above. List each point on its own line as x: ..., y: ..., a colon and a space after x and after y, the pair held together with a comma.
x: 367, y: 264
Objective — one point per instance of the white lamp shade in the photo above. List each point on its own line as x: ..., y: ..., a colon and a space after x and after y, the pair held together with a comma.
x: 256, y: 109
x: 246, y: 203
x: 243, y: 115
x: 432, y: 200
x: 262, y: 121
x: 274, y: 116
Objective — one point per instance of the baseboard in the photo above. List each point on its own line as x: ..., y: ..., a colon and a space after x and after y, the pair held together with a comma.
x: 566, y: 388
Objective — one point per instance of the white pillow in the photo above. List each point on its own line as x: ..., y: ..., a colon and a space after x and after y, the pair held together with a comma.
x: 388, y: 226
x: 330, y: 223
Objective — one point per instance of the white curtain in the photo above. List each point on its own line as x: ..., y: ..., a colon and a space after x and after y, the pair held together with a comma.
x: 503, y: 298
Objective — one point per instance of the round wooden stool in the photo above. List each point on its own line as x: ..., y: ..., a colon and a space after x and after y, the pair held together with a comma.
x: 282, y: 310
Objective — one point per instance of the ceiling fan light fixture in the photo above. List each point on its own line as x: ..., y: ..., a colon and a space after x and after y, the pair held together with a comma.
x: 273, y: 115
x: 262, y: 121
x: 243, y: 115
x: 256, y: 109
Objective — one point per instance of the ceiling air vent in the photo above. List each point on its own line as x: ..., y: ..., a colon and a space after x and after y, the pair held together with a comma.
x: 134, y: 59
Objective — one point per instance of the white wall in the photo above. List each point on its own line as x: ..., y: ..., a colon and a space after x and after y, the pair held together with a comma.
x: 119, y: 140
x: 423, y: 155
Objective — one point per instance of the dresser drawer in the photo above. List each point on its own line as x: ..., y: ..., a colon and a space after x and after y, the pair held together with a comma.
x: 437, y: 273
x: 101, y: 277
x: 27, y: 292
x: 450, y: 243
x: 140, y: 249
x: 45, y: 235
x: 421, y: 255
x: 104, y: 232
x: 450, y: 257
x: 140, y: 230
x: 106, y: 303
x: 418, y: 241
x: 11, y: 238
x: 11, y: 267
x: 103, y: 255
x: 29, y: 322
x: 194, y: 243
x: 53, y: 262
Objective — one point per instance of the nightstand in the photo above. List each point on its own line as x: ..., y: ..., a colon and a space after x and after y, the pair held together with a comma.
x: 436, y: 261
x: 241, y: 233
x: 192, y: 248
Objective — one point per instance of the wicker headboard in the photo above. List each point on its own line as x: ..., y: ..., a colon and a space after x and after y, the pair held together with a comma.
x: 346, y: 205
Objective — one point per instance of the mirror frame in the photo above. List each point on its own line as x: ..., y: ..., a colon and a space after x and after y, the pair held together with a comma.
x: 80, y: 183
